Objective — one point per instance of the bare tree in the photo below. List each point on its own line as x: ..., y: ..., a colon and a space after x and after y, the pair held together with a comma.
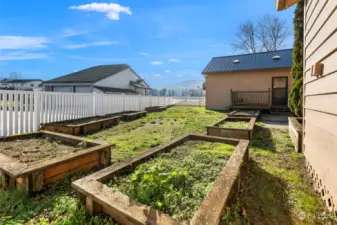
x: 247, y: 38
x: 272, y: 32
x: 267, y: 34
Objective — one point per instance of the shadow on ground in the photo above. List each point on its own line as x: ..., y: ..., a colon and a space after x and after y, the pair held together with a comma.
x: 262, y: 200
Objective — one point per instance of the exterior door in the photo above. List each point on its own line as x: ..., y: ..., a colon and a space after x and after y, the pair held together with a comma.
x: 280, y: 91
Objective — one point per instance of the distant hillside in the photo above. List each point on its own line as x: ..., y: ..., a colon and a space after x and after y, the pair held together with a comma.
x: 188, y: 84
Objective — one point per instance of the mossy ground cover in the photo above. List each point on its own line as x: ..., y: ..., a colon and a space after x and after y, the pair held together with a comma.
x: 156, y: 128
x: 176, y: 182
x: 276, y: 188
x: 234, y: 124
x: 59, y: 205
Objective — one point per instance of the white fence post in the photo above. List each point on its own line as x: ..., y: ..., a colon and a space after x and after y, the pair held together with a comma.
x: 140, y: 102
x: 37, y: 109
x: 158, y: 100
x: 150, y: 100
x: 123, y: 96
x: 94, y: 104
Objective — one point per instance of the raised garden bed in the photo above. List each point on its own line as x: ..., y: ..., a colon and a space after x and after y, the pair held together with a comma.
x: 233, y: 127
x: 32, y: 161
x: 117, y: 190
x: 295, y: 132
x: 83, y: 126
x: 133, y: 115
x: 245, y: 113
x: 156, y: 108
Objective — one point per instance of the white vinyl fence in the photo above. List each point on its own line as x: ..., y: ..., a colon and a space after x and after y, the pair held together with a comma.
x: 24, y: 111
x: 189, y: 101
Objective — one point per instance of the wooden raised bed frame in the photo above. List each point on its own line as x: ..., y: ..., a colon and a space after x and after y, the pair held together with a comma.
x: 295, y: 132
x: 34, y: 177
x: 237, y: 133
x: 133, y: 115
x: 156, y: 108
x: 245, y: 113
x: 101, y: 122
x: 99, y: 198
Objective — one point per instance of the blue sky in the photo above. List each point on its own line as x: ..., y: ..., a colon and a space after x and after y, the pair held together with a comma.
x: 165, y: 41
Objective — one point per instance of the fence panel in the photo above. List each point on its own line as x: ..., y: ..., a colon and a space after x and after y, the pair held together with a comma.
x: 24, y: 111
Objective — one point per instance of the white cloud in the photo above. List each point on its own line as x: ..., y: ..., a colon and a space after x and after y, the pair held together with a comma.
x: 99, y: 59
x: 20, y: 55
x: 71, y: 33
x: 21, y: 42
x: 157, y: 63
x: 174, y: 60
x: 111, y: 10
x: 158, y: 75
x: 168, y: 71
x: 86, y: 45
x: 144, y: 54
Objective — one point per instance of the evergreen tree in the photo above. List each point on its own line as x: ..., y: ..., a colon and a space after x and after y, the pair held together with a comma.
x: 295, y: 101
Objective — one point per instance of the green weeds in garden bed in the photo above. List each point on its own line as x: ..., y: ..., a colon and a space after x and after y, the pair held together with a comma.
x: 176, y: 182
x: 234, y: 124
x: 55, y: 206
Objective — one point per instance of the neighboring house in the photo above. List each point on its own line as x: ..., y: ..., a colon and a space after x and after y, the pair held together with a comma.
x: 20, y: 84
x: 119, y: 78
x: 320, y: 94
x: 250, y: 80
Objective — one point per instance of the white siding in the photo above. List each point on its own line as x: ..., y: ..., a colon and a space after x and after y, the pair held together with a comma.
x: 63, y: 89
x: 83, y: 89
x: 121, y: 80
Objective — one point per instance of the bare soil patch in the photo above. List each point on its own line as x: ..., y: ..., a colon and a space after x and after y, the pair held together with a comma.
x: 35, y: 150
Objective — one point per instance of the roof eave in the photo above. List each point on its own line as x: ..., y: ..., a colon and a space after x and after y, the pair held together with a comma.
x: 232, y: 71
x: 285, y: 4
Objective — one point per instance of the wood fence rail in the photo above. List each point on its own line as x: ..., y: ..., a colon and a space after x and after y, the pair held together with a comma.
x: 251, y: 99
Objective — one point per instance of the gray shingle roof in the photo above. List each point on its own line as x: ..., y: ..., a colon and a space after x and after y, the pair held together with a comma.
x: 90, y: 75
x: 256, y: 61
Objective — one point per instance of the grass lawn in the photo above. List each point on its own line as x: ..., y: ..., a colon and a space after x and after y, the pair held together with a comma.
x: 135, y: 137
x: 276, y: 188
x: 59, y: 205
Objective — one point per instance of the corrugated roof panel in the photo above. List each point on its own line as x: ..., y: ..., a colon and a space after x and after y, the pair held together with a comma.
x: 256, y: 61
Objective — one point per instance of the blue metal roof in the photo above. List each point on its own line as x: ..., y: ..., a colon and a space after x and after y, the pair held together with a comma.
x: 255, y: 61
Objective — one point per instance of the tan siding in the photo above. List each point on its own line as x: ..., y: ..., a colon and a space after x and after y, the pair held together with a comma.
x: 321, y: 152
x: 320, y: 102
x: 324, y: 103
x: 326, y: 84
x: 326, y: 30
x: 313, y: 15
x: 218, y: 85
x: 319, y: 22
x: 328, y: 47
x: 329, y: 68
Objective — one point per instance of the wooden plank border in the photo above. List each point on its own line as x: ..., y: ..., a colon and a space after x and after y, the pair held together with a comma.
x: 101, y: 122
x: 237, y: 133
x: 237, y: 113
x: 34, y: 177
x: 295, y: 132
x: 99, y: 198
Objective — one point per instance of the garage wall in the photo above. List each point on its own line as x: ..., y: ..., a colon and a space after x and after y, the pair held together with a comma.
x: 219, y: 85
x: 320, y: 97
